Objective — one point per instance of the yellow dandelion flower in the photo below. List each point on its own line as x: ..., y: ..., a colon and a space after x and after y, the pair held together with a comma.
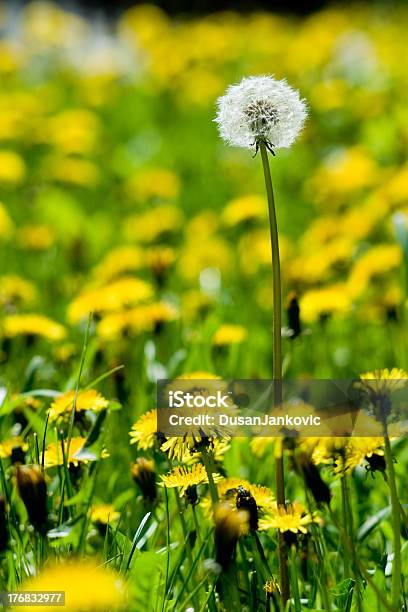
x: 377, y: 261
x: 85, y: 400
x: 74, y: 130
x: 32, y: 325
x: 183, y: 478
x: 104, y: 514
x: 16, y: 290
x: 219, y: 447
x: 361, y: 450
x: 159, y: 259
x: 71, y: 170
x: 254, y: 250
x: 88, y: 585
x: 344, y: 174
x: 245, y: 208
x: 384, y: 380
x: 53, y: 453
x: 153, y: 183
x: 35, y: 237
x: 201, y: 253
x: 261, y: 444
x: 12, y: 168
x: 293, y: 518
x: 397, y: 187
x: 198, y: 375
x: 136, y: 320
x: 148, y: 226
x: 196, y: 304
x: 113, y: 296
x: 144, y: 431
x: 227, y: 488
x: 121, y: 260
x: 229, y: 334
x: 7, y: 446
x: 330, y: 300
x: 6, y: 224
x: 263, y: 496
x: 317, y: 266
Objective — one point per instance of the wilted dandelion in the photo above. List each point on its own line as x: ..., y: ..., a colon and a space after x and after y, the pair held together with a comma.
x: 144, y: 475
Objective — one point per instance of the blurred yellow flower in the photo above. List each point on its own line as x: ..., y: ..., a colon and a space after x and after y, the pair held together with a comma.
x: 197, y: 254
x: 119, y: 261
x: 146, y: 317
x: 110, y: 297
x: 229, y: 334
x: 7, y: 446
x: 88, y: 585
x: 153, y: 223
x: 245, y: 208
x: 12, y: 167
x: 35, y: 237
x: 376, y: 261
x: 6, y: 224
x: 313, y: 266
x: 89, y: 399
x: 104, y: 514
x: 74, y: 130
x: 31, y: 325
x: 71, y: 170
x: 159, y: 259
x: 330, y: 300
x: 15, y: 290
x: 153, y: 183
x: 397, y: 187
x: 342, y: 175
x: 53, y: 453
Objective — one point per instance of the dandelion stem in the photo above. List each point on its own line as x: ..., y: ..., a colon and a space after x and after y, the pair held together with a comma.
x: 277, y: 358
x: 396, y: 523
x: 206, y: 459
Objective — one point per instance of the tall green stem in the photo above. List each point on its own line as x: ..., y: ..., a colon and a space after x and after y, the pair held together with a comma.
x: 208, y: 464
x: 396, y: 523
x: 277, y: 357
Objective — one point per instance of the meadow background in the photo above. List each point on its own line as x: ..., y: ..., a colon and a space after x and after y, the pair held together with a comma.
x: 117, y: 197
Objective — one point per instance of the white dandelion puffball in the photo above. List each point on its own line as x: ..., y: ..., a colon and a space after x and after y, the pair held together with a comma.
x: 260, y: 109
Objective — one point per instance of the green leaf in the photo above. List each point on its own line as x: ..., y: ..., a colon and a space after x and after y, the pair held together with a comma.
x: 146, y: 577
x: 343, y: 594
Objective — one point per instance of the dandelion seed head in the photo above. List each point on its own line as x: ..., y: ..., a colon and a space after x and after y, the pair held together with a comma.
x: 260, y: 109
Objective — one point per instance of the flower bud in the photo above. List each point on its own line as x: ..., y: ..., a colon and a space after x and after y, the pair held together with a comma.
x: 314, y: 481
x: 33, y: 491
x: 229, y: 525
x: 293, y: 316
x: 144, y: 475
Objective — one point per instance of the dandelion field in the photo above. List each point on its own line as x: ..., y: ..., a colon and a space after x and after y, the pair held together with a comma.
x: 134, y: 246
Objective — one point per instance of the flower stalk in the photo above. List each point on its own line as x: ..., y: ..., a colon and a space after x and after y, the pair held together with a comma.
x: 396, y: 522
x: 277, y: 358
